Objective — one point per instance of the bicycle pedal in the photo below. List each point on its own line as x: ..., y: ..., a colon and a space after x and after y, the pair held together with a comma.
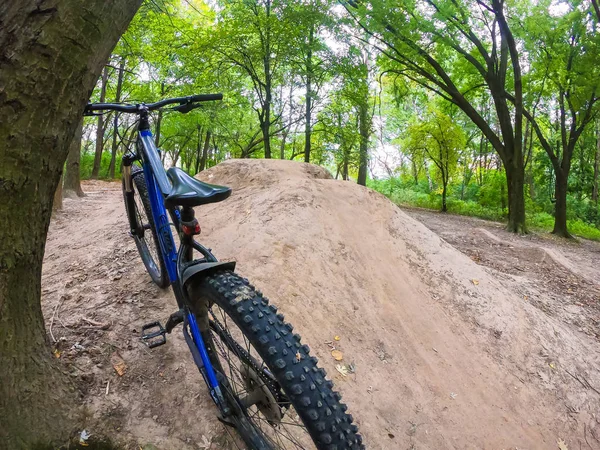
x: 153, y: 334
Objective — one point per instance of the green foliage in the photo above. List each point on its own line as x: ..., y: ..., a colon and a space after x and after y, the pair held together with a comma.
x: 484, y: 202
x: 87, y: 161
x: 421, y: 94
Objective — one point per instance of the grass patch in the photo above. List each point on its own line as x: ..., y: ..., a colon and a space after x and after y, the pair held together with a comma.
x: 536, y: 220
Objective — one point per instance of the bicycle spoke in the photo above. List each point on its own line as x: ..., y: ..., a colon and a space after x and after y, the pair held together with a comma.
x: 248, y: 375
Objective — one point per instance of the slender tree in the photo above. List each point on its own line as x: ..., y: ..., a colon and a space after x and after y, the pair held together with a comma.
x: 100, y: 128
x: 72, y: 171
x: 113, y: 156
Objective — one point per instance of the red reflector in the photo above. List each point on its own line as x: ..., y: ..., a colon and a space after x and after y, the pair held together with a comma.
x: 191, y: 231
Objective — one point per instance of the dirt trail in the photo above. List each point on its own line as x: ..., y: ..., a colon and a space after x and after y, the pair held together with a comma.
x: 442, y: 362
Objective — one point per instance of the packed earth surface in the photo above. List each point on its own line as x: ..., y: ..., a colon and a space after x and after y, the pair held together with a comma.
x: 454, y: 333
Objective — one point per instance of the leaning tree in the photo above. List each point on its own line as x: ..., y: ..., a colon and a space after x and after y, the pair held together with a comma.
x: 51, y: 54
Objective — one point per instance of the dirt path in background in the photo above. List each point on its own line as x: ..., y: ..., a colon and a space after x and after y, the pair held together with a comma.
x: 558, y: 276
x: 448, y: 353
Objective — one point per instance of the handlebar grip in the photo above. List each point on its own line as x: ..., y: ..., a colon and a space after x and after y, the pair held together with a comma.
x: 90, y: 107
x: 205, y: 97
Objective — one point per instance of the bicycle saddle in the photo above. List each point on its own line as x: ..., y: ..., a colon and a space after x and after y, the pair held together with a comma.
x: 187, y: 191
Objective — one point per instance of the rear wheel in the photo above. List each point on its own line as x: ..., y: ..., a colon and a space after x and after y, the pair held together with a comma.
x: 277, y: 386
x: 143, y: 229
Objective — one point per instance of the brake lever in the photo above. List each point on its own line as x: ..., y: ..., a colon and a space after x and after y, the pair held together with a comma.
x: 186, y: 107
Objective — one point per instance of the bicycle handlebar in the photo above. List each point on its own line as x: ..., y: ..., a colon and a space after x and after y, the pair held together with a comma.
x: 151, y: 106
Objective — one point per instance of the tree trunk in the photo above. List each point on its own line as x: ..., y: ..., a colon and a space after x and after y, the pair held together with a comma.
x: 363, y: 154
x: 515, y: 182
x: 57, y: 203
x: 52, y: 54
x: 159, y: 119
x: 415, y: 172
x: 100, y: 129
x: 266, y: 123
x: 266, y: 127
x: 560, y: 207
x: 282, y: 145
x: 198, y: 149
x: 72, y: 173
x: 205, y: 151
x: 480, y: 175
x: 345, y: 164
x: 464, y: 182
x: 596, y: 167
x: 308, y: 110
x: 213, y: 154
x: 444, y: 193
x: 113, y: 156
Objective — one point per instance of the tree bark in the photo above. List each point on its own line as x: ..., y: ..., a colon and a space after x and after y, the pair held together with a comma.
x: 198, y: 149
x: 282, y: 144
x: 57, y: 203
x: 363, y: 153
x: 415, y: 172
x: 560, y: 207
x: 113, y: 155
x: 345, y: 164
x: 444, y: 193
x: 205, y: 151
x: 309, y: 94
x: 516, y: 199
x: 100, y: 129
x: 52, y: 53
x: 72, y: 173
x: 159, y: 118
x: 266, y: 113
x: 596, y: 167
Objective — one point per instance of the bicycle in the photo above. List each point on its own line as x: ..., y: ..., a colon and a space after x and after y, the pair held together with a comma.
x: 261, y: 377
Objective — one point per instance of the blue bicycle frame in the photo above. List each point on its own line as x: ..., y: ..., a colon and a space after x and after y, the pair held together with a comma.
x: 159, y: 186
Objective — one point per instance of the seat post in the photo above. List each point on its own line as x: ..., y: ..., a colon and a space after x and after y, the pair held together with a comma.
x: 189, y: 224
x: 189, y: 227
x: 187, y: 214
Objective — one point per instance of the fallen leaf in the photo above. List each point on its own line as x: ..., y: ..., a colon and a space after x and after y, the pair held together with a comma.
x: 337, y: 355
x: 562, y: 445
x: 552, y: 366
x: 336, y: 338
x: 342, y: 369
x: 118, y: 364
x: 475, y: 282
x: 56, y: 353
x: 120, y: 368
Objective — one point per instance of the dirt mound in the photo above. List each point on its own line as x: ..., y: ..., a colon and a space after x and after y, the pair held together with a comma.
x: 254, y: 173
x: 444, y: 354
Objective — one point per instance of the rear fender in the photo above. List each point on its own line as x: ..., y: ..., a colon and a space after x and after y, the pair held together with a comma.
x: 196, y: 273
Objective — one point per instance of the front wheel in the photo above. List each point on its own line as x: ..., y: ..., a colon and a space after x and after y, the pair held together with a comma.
x: 143, y: 229
x: 263, y: 367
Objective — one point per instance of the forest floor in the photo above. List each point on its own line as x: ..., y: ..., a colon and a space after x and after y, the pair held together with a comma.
x: 560, y: 277
x: 462, y: 335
